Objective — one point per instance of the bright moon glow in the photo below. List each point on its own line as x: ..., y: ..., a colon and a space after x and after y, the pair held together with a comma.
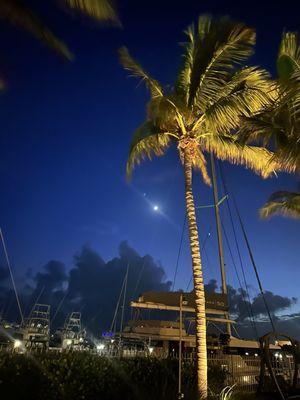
x: 155, y: 208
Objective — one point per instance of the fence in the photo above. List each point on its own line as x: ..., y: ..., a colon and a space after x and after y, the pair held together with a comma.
x: 243, y: 371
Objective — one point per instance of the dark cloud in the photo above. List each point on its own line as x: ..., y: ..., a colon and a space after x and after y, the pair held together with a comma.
x: 275, y: 303
x: 52, y: 277
x: 211, y: 286
x: 97, y: 285
x: 92, y: 286
x: 241, y: 310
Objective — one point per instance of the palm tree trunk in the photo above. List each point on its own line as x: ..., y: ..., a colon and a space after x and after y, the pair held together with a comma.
x: 198, y: 278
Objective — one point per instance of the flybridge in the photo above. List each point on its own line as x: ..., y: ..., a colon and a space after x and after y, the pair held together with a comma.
x: 216, y: 303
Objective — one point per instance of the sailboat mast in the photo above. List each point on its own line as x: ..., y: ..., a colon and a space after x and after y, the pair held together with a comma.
x: 124, y: 299
x: 219, y: 231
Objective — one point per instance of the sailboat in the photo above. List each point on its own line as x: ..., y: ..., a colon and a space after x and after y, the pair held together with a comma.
x: 165, y: 336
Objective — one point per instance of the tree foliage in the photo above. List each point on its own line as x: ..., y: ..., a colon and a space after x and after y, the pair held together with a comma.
x: 279, y: 125
x: 19, y: 14
x: 213, y: 92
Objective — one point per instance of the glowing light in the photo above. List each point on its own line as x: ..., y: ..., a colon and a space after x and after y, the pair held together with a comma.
x: 100, y: 346
x: 155, y: 207
x: 69, y: 342
x: 246, y: 378
x: 247, y: 354
x: 17, y: 344
x: 151, y: 349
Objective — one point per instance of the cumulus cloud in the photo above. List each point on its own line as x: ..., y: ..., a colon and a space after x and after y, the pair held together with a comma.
x: 241, y: 308
x: 275, y: 303
x: 98, y: 284
x: 92, y: 286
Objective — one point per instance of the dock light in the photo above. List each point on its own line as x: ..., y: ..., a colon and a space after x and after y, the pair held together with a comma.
x: 151, y: 349
x: 255, y: 355
x: 81, y: 340
x: 17, y: 344
x: 69, y: 342
x: 100, y: 346
x: 247, y: 354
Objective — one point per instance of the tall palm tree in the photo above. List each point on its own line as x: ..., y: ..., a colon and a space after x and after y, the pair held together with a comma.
x: 279, y: 125
x: 199, y: 114
x: 18, y: 13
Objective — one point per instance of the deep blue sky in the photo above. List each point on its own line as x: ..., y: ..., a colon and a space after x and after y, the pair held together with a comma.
x: 65, y: 132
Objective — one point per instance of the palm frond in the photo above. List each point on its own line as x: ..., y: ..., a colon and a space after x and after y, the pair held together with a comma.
x: 244, y: 99
x: 102, y: 10
x: 199, y: 163
x: 275, y: 127
x: 220, y: 45
x: 259, y: 128
x: 182, y: 86
x: 288, y: 61
x: 226, y: 148
x: 147, y: 141
x: 137, y: 71
x: 288, y: 67
x: 16, y: 13
x: 253, y: 77
x: 283, y: 203
x: 227, y: 393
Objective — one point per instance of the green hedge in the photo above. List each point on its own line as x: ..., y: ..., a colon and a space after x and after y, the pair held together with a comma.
x: 69, y: 376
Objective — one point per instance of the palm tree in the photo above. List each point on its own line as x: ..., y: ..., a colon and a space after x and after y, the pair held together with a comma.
x: 279, y: 126
x: 199, y: 114
x: 17, y: 13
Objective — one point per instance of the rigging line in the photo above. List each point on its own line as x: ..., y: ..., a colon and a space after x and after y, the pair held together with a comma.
x: 124, y: 300
x: 113, y: 324
x: 253, y: 263
x: 237, y: 247
x: 256, y: 271
x: 12, y: 277
x: 36, y: 301
x: 240, y: 283
x: 139, y: 277
x: 236, y: 331
x: 212, y: 205
x: 179, y: 250
x: 59, y: 306
x: 202, y: 248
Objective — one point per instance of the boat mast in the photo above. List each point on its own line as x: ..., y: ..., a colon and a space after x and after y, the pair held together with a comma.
x: 124, y: 299
x: 219, y: 233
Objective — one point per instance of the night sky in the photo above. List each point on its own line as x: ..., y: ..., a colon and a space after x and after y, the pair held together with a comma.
x: 65, y: 134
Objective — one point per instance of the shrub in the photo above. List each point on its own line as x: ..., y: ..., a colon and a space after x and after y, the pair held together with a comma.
x: 76, y: 375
